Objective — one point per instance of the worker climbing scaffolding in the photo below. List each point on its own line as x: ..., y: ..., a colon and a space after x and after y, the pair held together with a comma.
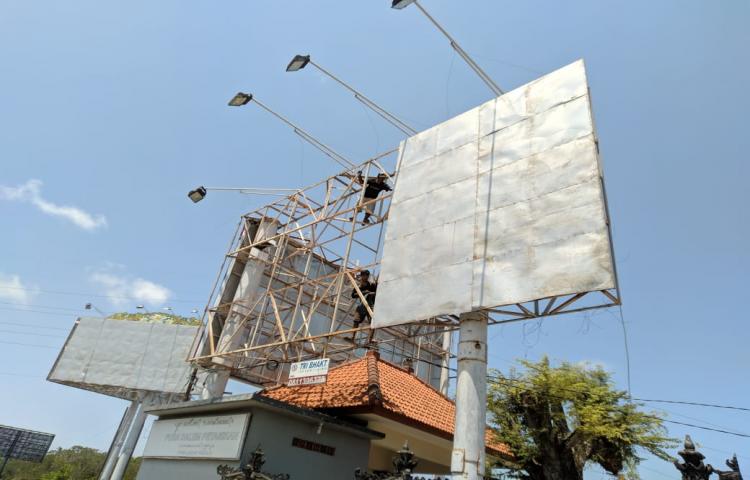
x: 373, y: 187
x: 365, y: 290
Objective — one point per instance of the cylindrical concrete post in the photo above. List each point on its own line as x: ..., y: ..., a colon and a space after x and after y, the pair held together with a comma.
x: 467, y: 461
x: 215, y: 384
x: 119, y: 439
x: 444, y: 370
x: 130, y: 442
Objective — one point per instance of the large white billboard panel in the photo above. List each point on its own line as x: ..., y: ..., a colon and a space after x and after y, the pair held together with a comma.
x: 123, y: 358
x: 500, y: 205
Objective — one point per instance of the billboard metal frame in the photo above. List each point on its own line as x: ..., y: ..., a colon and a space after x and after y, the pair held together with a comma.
x: 320, y: 225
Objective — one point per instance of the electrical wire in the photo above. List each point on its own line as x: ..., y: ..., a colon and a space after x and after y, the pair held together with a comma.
x: 40, y: 306
x: 651, y: 400
x: 12, y: 374
x: 28, y: 344
x: 33, y: 325
x: 32, y: 333
x: 627, y: 349
x: 94, y: 295
x: 57, y: 314
x: 695, y: 404
x: 581, y: 392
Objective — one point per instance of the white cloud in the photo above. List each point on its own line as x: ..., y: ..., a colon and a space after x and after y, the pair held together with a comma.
x: 124, y: 290
x: 13, y: 290
x: 31, y: 192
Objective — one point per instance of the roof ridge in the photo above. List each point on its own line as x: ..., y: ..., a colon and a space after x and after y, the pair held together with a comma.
x: 374, y: 394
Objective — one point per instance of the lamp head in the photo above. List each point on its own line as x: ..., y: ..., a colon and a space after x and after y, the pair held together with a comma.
x: 240, y: 99
x: 197, y: 195
x: 399, y: 4
x: 298, y: 63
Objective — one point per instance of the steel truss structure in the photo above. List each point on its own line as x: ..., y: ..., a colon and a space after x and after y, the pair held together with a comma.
x: 287, y: 289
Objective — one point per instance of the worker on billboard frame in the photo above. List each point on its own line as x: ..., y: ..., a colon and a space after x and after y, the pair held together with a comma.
x: 368, y: 289
x: 373, y: 187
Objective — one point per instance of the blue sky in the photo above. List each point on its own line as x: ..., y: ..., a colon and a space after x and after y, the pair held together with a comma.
x: 116, y: 109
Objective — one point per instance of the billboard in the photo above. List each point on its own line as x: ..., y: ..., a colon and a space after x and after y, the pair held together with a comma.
x: 500, y: 205
x: 123, y: 358
x: 21, y: 444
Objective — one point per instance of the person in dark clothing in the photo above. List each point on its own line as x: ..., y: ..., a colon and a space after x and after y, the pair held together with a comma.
x: 373, y: 187
x: 368, y: 289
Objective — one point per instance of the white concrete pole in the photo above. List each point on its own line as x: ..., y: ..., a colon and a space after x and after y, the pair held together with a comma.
x: 119, y: 439
x: 130, y: 442
x: 467, y: 461
x: 215, y: 384
x: 444, y: 370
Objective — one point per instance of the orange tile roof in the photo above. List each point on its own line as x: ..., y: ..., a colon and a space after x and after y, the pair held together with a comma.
x: 372, y: 385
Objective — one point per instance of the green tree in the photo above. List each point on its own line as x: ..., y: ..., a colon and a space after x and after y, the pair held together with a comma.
x: 64, y: 472
x: 556, y: 420
x: 74, y: 463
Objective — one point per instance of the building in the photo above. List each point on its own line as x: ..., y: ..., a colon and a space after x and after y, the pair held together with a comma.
x: 359, y: 418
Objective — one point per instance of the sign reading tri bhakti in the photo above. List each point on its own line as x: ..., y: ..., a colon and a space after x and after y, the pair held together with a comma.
x: 309, y: 372
x: 501, y: 205
x: 218, y: 437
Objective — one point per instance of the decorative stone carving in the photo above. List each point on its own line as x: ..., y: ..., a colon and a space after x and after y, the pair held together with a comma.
x: 251, y: 471
x: 733, y: 474
x: 404, y: 464
x: 693, y: 468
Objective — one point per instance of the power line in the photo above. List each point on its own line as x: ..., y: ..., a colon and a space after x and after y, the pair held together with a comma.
x: 57, y: 314
x: 695, y: 404
x: 677, y: 402
x: 96, y: 295
x: 581, y: 392
x: 28, y: 344
x: 705, y: 428
x: 40, y: 306
x: 11, y: 374
x: 33, y: 325
x: 32, y: 333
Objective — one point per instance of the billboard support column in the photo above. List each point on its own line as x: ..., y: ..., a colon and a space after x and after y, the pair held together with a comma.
x: 215, y: 384
x: 118, y: 440
x: 467, y: 461
x: 131, y: 440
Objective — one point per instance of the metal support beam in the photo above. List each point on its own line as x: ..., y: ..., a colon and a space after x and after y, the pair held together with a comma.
x: 118, y: 440
x: 467, y: 461
x: 335, y: 156
x: 387, y: 116
x: 130, y: 441
x: 477, y: 69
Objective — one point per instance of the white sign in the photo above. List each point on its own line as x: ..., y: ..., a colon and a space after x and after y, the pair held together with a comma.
x: 217, y: 437
x: 309, y: 368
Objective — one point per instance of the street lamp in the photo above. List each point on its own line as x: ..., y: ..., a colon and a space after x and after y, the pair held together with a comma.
x: 400, y: 4
x: 241, y: 99
x: 197, y: 195
x: 300, y: 61
x: 200, y: 193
